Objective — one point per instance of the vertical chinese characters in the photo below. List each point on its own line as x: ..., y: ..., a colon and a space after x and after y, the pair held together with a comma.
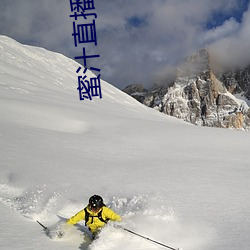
x: 85, y: 33
x: 88, y: 88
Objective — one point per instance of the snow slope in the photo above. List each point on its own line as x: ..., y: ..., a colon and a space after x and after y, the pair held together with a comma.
x: 176, y: 183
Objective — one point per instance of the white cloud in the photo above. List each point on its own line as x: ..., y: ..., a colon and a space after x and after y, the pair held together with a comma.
x: 170, y: 31
x: 233, y: 50
x: 228, y: 28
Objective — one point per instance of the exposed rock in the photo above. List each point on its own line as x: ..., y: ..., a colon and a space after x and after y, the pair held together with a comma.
x: 137, y: 91
x: 201, y: 97
x: 237, y: 81
x: 133, y: 88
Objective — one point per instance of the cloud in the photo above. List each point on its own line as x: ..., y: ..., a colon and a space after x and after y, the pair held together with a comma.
x: 170, y: 31
x: 41, y: 23
x: 233, y: 49
x: 228, y: 28
x: 139, y: 41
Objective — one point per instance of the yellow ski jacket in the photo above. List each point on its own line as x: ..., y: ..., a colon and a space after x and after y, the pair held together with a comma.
x: 94, y: 223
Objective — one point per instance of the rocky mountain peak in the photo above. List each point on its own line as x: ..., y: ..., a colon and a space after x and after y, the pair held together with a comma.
x: 202, y: 97
x: 196, y: 64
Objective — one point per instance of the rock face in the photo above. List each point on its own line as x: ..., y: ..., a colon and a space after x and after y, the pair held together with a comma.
x: 137, y: 91
x: 237, y: 81
x: 201, y: 97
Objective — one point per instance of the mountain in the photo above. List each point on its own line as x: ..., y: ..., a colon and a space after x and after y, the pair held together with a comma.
x: 202, y: 97
x: 182, y: 185
x: 237, y: 81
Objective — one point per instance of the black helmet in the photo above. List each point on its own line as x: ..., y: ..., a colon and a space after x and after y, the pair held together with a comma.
x: 96, y: 202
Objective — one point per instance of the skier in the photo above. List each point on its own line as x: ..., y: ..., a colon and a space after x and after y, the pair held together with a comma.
x: 95, y: 214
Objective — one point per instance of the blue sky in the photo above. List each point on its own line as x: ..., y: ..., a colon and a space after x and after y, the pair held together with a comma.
x: 139, y: 41
x: 218, y: 17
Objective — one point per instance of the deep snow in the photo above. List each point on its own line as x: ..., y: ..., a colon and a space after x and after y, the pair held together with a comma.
x: 182, y: 185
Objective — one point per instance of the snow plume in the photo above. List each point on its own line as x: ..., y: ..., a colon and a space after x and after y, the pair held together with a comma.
x: 147, y: 215
x: 33, y: 204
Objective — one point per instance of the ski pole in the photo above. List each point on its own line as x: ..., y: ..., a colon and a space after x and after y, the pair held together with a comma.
x: 45, y: 228
x: 146, y: 238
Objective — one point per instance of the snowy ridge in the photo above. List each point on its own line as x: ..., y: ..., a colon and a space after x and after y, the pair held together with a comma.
x: 37, y: 69
x: 179, y: 184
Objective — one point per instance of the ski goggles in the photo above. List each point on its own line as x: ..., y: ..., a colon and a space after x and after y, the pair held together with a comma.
x: 94, y: 208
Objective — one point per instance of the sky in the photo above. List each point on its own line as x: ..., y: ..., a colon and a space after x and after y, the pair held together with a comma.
x: 138, y: 41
